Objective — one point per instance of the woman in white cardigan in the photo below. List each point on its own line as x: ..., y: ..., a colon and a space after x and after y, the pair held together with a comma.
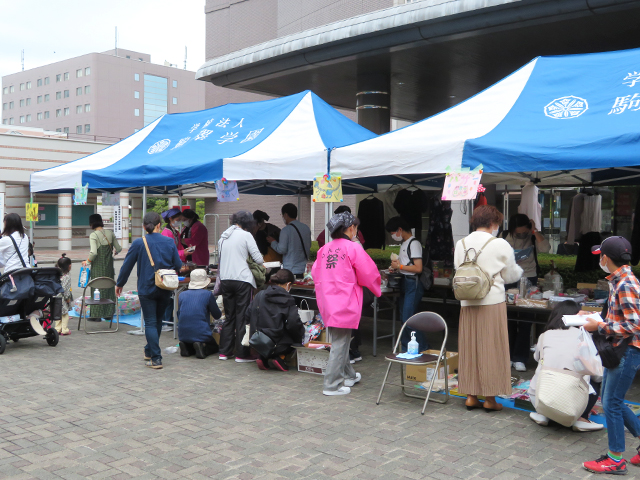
x: 484, y: 364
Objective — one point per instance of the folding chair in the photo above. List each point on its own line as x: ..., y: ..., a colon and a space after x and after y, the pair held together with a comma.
x: 426, y: 322
x: 100, y: 282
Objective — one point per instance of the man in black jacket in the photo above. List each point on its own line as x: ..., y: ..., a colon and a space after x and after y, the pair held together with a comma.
x: 274, y: 313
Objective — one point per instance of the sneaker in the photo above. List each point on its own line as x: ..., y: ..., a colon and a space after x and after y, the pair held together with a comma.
x: 262, y: 364
x: 606, y: 464
x: 146, y: 357
x: 350, y: 382
x: 279, y: 364
x: 589, y: 426
x: 519, y: 366
x: 199, y: 347
x: 354, y: 356
x: 635, y: 461
x: 539, y: 419
x: 245, y: 360
x: 184, y: 350
x: 156, y: 365
x: 340, y: 391
x: 225, y: 357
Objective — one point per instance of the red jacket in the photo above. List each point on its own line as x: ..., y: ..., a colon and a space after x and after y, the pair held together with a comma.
x: 198, y: 237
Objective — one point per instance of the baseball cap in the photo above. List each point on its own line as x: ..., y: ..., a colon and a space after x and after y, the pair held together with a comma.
x: 616, y: 248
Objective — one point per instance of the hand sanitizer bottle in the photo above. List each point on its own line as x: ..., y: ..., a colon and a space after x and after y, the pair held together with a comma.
x: 413, y: 347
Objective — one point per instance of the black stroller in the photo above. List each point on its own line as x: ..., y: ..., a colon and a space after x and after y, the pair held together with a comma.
x: 27, y: 293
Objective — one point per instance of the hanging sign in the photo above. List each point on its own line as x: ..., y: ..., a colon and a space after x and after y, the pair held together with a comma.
x: 327, y: 187
x: 117, y: 221
x: 81, y: 194
x: 227, y: 190
x: 32, y: 212
x: 462, y: 185
x: 111, y: 199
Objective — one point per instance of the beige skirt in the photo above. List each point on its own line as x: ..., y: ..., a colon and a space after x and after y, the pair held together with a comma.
x: 483, y: 343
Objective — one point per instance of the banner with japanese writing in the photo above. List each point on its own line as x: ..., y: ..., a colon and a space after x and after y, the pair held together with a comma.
x: 327, y: 188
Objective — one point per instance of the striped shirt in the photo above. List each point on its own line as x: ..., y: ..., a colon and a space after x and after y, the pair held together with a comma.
x: 623, y: 318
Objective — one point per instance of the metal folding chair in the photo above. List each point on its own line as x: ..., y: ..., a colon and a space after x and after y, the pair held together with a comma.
x: 426, y: 322
x: 100, y: 282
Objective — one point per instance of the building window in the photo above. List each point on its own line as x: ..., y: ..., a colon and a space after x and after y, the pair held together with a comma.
x: 46, y: 97
x: 10, y: 105
x: 78, y: 91
x: 66, y: 77
x: 78, y: 73
x: 58, y: 112
x: 87, y: 90
x: 46, y: 114
x: 87, y: 108
x: 136, y: 112
x: 129, y: 56
x: 11, y: 121
x: 66, y: 111
x: 136, y: 94
x: 39, y: 99
x: 58, y: 95
x: 155, y: 97
x: 175, y: 84
x: 175, y: 101
x: 136, y: 77
x: 5, y: 90
x: 46, y: 80
x: 79, y: 109
x: 28, y: 85
x: 5, y: 106
x: 66, y: 94
x: 11, y: 89
x: 28, y: 101
x: 79, y: 129
x: 5, y: 121
x: 87, y: 128
x: 21, y: 118
x: 39, y: 83
x: 87, y: 71
x: 58, y: 78
x: 65, y: 129
x: 58, y: 129
x: 22, y: 102
x: 39, y: 116
x: 22, y: 86
x: 29, y: 118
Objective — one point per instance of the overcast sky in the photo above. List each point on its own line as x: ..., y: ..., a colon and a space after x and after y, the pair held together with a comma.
x: 54, y: 30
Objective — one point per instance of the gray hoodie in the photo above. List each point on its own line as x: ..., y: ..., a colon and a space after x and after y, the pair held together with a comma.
x: 235, y: 246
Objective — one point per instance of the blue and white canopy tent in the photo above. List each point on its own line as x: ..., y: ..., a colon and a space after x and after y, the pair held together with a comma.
x: 563, y: 120
x: 272, y: 146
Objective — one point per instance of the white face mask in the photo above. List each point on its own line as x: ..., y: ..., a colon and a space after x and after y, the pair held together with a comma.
x: 495, y: 232
x: 397, y: 238
x: 604, y: 267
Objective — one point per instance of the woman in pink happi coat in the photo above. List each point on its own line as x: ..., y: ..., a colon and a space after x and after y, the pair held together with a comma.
x: 340, y: 271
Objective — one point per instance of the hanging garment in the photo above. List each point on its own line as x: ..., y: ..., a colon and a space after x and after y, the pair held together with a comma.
x: 388, y: 198
x: 371, y: 215
x: 574, y: 218
x: 410, y: 204
x: 587, y: 261
x: 635, y: 235
x: 591, y: 214
x: 530, y: 206
x: 440, y: 239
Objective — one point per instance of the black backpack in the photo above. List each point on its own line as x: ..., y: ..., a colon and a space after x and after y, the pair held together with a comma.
x: 426, y: 276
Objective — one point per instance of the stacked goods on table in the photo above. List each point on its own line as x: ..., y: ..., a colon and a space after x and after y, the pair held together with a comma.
x: 307, y: 279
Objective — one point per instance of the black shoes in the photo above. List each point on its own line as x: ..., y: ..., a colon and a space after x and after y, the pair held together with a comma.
x: 201, y: 350
x: 185, y: 351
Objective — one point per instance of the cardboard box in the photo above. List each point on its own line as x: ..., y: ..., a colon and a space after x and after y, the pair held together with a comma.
x: 313, y: 360
x: 422, y: 373
x: 527, y: 302
x: 592, y: 309
x: 592, y: 286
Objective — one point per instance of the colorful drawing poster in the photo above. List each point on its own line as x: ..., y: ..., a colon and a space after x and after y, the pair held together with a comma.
x: 32, y: 212
x: 81, y: 194
x: 227, y: 191
x: 327, y: 188
x: 461, y: 185
x: 111, y: 199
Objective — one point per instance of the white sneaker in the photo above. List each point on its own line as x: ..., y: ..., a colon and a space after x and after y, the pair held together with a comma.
x: 589, y: 426
x: 349, y: 382
x: 539, y: 419
x: 340, y: 391
x: 519, y: 366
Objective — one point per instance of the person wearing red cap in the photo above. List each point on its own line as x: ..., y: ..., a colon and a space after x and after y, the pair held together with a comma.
x: 622, y: 324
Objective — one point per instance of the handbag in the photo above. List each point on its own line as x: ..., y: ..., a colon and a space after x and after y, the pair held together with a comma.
x: 262, y: 344
x: 165, y: 279
x: 17, y: 287
x: 610, y: 354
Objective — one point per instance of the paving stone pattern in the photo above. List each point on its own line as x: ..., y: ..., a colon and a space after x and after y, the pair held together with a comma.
x: 88, y: 408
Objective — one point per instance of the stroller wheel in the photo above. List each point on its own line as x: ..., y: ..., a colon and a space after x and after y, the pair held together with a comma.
x: 52, y: 337
x: 3, y: 344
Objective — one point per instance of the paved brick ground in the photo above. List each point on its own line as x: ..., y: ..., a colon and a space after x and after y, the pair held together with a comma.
x: 90, y: 409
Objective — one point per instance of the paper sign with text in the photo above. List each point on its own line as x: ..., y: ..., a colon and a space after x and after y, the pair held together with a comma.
x: 461, y: 185
x: 327, y: 188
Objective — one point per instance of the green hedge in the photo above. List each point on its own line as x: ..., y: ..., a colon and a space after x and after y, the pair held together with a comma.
x: 565, y: 265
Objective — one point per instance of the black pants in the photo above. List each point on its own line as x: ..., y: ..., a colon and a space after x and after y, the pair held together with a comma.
x: 520, y: 333
x: 210, y: 347
x: 236, y: 297
x: 592, y: 399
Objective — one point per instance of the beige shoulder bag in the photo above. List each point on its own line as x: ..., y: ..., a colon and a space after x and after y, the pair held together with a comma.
x: 165, y: 279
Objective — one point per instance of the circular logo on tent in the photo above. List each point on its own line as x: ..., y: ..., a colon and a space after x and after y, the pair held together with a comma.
x: 159, y: 146
x: 566, y: 107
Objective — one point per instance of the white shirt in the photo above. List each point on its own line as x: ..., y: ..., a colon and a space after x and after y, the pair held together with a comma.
x: 416, y: 252
x: 9, y: 258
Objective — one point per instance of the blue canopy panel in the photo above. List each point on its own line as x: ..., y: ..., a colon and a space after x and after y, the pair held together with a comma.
x: 575, y: 112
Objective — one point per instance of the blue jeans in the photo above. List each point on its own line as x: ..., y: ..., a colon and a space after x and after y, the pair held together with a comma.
x: 615, y: 384
x: 154, y: 308
x: 411, y: 291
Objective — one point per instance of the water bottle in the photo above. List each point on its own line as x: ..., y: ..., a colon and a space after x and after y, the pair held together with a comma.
x: 96, y: 295
x: 413, y: 347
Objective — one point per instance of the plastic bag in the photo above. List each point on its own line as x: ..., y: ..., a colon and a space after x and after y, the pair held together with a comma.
x: 85, y: 276
x: 553, y: 280
x: 587, y: 360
